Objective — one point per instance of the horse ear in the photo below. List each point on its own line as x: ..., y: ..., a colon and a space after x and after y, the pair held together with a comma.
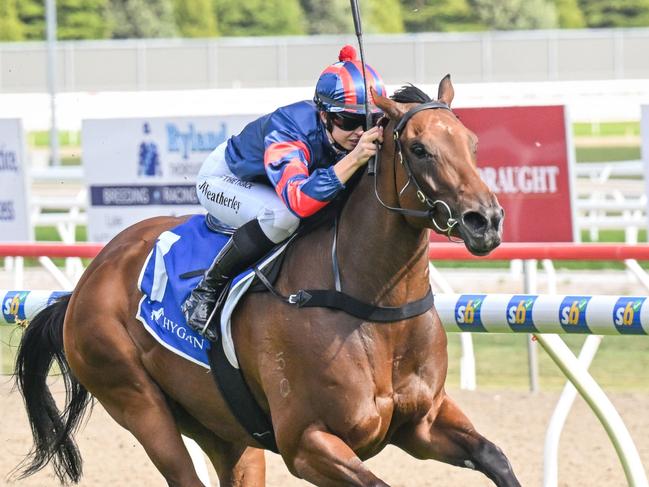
x: 446, y: 91
x: 391, y: 108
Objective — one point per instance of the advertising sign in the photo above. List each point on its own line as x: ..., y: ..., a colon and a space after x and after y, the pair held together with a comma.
x: 14, y: 213
x: 144, y: 167
x: 523, y: 156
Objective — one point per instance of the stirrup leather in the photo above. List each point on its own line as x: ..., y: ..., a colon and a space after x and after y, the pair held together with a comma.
x: 211, y: 328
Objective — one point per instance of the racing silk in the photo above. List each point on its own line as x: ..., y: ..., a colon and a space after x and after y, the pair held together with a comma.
x: 290, y: 148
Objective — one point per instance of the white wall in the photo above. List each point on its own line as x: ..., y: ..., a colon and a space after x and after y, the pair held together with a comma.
x: 587, y: 101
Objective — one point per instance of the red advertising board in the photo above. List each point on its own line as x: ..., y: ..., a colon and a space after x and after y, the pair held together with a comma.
x: 523, y: 157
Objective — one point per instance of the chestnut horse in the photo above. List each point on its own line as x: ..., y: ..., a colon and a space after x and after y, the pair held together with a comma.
x: 338, y: 388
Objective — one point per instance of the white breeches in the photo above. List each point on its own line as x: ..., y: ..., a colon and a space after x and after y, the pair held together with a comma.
x: 235, y: 202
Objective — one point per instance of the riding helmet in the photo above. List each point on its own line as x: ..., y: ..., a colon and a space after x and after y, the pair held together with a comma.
x: 340, y: 86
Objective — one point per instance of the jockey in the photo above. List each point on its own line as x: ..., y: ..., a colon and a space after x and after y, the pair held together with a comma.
x: 283, y: 167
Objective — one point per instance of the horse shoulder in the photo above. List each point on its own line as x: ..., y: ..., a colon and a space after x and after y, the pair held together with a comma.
x: 308, y: 262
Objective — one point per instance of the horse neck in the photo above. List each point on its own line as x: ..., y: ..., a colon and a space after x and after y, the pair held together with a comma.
x: 382, y: 258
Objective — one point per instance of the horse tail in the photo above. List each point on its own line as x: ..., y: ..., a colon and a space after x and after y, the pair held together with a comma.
x: 52, y: 430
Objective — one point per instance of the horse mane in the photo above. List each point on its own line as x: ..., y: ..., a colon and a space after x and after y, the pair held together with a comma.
x: 410, y: 94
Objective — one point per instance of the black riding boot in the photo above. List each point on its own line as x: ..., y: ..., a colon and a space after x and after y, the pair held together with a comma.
x: 247, y: 245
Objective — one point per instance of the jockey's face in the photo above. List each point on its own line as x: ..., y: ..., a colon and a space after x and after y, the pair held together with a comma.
x: 347, y: 139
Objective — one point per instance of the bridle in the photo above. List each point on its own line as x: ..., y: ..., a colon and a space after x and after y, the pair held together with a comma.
x: 429, y: 202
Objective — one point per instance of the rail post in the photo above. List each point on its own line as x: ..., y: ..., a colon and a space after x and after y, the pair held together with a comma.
x: 601, y: 406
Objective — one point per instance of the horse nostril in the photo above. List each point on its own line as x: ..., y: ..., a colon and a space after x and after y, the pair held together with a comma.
x: 475, y: 222
x: 497, y: 219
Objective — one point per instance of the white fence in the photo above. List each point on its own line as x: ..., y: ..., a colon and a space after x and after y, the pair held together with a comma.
x: 611, y: 196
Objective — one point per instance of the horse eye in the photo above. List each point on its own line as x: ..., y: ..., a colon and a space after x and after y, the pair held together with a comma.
x: 419, y: 151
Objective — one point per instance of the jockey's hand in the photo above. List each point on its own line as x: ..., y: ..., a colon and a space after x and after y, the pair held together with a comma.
x: 359, y: 155
x: 366, y: 146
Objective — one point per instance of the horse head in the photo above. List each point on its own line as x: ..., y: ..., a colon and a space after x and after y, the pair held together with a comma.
x: 438, y: 168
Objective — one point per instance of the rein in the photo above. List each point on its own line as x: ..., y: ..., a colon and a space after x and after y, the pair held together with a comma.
x: 432, y: 204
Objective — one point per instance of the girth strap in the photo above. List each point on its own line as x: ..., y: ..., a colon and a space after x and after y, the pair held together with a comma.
x: 318, y: 298
x: 327, y: 298
x: 241, y: 402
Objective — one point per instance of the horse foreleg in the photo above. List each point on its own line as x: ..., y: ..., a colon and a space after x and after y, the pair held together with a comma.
x: 447, y: 435
x: 325, y: 460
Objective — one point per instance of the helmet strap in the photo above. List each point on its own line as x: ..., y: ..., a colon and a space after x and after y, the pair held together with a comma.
x: 329, y: 125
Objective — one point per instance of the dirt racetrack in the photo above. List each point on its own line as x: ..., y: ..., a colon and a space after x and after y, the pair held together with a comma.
x: 516, y: 421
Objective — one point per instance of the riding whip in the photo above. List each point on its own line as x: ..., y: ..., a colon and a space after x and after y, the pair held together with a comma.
x: 356, y: 14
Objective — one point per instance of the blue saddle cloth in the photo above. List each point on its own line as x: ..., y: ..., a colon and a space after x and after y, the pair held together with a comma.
x: 185, y: 248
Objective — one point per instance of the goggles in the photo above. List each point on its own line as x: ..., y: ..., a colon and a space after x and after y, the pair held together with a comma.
x: 351, y: 121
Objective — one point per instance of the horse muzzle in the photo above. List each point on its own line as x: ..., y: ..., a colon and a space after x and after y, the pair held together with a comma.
x: 481, y: 229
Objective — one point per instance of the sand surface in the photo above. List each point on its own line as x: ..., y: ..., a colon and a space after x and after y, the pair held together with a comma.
x: 516, y: 421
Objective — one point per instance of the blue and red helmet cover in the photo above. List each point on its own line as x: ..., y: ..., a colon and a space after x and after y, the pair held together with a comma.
x: 340, y: 86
